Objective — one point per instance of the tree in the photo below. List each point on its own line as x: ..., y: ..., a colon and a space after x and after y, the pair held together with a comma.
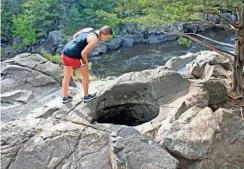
x: 86, y: 13
x: 22, y: 27
x: 9, y: 9
x: 90, y: 8
x: 46, y: 14
x: 73, y: 20
x: 169, y: 11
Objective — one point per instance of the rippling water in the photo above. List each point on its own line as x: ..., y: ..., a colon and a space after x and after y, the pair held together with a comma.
x: 146, y: 56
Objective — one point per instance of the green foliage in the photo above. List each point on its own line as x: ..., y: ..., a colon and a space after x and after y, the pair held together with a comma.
x: 73, y: 20
x: 38, y: 131
x: 18, y: 47
x: 184, y: 41
x: 110, y: 19
x: 165, y: 11
x: 9, y: 8
x: 22, y: 28
x: 88, y: 14
x: 29, y: 19
x: 45, y: 13
x: 55, y: 59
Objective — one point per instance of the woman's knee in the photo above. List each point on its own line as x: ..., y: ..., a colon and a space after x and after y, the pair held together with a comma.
x: 84, y: 72
x: 85, y: 77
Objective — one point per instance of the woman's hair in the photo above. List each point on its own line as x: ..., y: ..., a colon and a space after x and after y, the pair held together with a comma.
x: 107, y: 30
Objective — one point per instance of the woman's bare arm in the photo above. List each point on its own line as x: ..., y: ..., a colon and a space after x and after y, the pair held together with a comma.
x: 89, y: 48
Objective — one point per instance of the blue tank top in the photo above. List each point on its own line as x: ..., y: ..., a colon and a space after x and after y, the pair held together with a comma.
x: 74, y: 47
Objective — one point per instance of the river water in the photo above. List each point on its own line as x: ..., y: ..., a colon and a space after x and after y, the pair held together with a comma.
x: 147, y: 56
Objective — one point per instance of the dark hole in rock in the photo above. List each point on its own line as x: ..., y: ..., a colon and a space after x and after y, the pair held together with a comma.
x: 130, y: 114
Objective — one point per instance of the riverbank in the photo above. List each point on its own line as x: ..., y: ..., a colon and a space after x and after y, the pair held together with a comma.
x: 143, y: 56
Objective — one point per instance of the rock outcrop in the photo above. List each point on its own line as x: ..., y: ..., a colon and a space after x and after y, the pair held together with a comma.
x: 172, y: 124
x: 26, y: 78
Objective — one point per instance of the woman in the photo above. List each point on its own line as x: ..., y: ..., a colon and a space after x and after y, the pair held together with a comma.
x: 75, y: 57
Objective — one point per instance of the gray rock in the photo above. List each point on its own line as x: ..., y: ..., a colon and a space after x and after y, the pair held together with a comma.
x: 133, y: 151
x: 58, y: 146
x: 152, y: 29
x: 156, y: 38
x: 128, y: 41
x: 213, y: 18
x: 226, y: 83
x: 16, y: 95
x: 191, y: 142
x: 152, y: 34
x: 38, y: 63
x: 17, y: 77
x: 27, y: 78
x: 217, y: 92
x: 140, y: 38
x: 233, y: 17
x: 167, y: 124
x: 176, y: 63
x: 197, y: 96
x: 196, y: 27
x: 114, y: 44
x: 100, y: 48
x: 135, y: 96
x: 199, y: 63
x: 213, y: 139
x: 56, y: 36
x: 214, y: 71
x: 187, y: 75
x: 55, y: 42
x: 150, y: 88
x: 170, y: 37
x: 60, y: 136
x: 221, y: 60
x: 171, y: 112
x: 230, y: 16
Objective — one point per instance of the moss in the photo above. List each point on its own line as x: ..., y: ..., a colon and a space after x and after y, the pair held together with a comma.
x: 54, y: 59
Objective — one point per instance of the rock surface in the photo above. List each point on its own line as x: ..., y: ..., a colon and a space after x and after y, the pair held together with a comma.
x: 172, y: 125
x: 26, y: 79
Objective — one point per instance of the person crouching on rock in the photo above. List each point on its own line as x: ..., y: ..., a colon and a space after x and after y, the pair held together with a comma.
x: 74, y: 57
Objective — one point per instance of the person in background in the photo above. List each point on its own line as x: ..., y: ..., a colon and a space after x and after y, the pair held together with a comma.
x: 74, y: 57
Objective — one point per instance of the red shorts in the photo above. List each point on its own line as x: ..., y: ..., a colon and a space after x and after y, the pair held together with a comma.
x: 74, y: 63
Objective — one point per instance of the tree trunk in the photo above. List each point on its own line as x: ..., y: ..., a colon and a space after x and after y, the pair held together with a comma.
x: 237, y: 66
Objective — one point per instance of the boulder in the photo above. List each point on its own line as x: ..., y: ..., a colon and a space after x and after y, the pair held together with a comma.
x: 55, y: 42
x: 134, y: 151
x: 211, y: 139
x: 156, y: 38
x: 16, y: 96
x: 221, y: 60
x: 26, y: 79
x: 128, y: 41
x: 176, y: 63
x: 199, y: 63
x: 140, y: 92
x: 215, y: 71
x: 114, y: 44
x: 217, y: 92
x: 64, y: 145
x: 100, y: 48
x: 196, y: 99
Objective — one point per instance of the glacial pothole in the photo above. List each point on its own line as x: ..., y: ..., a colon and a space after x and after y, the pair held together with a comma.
x: 130, y: 114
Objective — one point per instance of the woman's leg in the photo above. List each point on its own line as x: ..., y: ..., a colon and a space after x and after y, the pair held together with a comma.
x: 85, y: 79
x: 67, y: 75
